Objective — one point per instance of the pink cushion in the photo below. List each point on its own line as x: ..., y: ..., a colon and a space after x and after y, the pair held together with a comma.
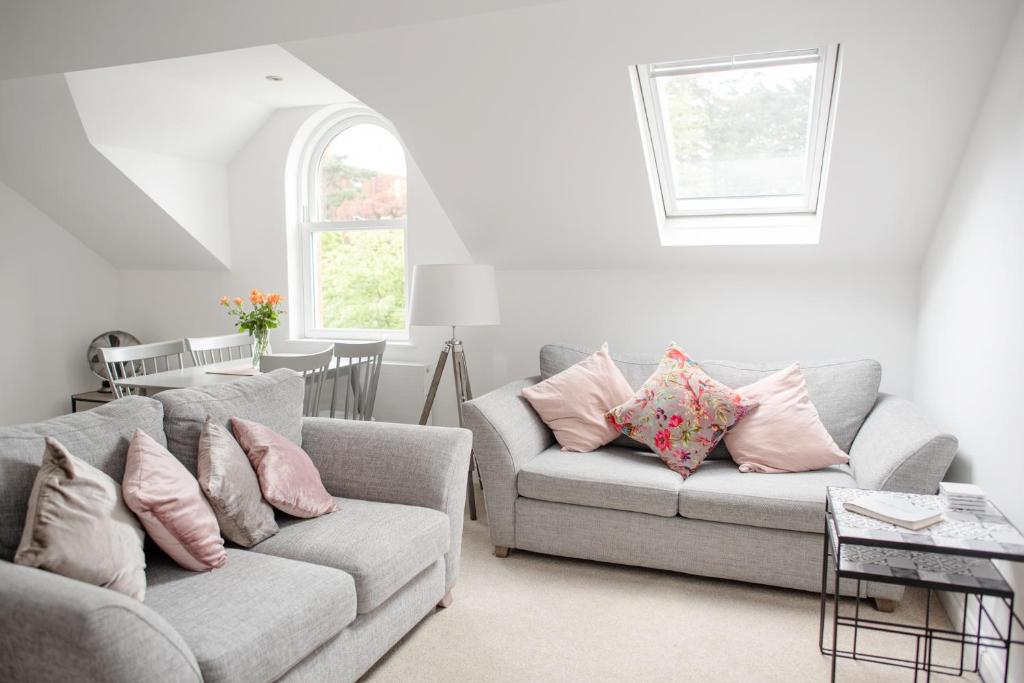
x: 573, y: 402
x: 289, y: 480
x: 680, y: 412
x: 784, y: 432
x: 169, y: 503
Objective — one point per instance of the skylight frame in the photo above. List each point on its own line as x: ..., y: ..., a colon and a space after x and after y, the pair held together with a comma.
x: 822, y: 114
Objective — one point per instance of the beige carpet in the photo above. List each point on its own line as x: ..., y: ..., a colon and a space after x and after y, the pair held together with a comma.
x: 538, y: 618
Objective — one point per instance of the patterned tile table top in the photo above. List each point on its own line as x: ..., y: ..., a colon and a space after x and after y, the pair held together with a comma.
x: 933, y: 570
x: 984, y: 534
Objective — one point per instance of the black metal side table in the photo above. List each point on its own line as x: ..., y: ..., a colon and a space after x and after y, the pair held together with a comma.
x: 954, y: 555
x: 97, y: 397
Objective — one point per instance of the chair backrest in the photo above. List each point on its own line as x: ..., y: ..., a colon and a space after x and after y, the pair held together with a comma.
x: 142, y: 359
x: 313, y: 367
x: 364, y: 363
x: 206, y: 350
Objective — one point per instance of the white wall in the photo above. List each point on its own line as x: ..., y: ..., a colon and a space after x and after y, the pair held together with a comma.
x: 56, y: 296
x: 756, y: 314
x: 971, y: 331
x: 192, y: 192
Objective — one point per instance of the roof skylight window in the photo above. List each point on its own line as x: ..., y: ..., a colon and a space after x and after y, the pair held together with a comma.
x: 740, y: 136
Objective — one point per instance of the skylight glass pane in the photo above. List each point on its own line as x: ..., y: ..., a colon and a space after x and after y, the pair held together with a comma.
x: 359, y: 279
x: 740, y: 132
x: 362, y: 176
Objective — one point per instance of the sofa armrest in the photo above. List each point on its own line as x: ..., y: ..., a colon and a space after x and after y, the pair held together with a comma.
x: 58, y: 629
x: 395, y: 463
x: 507, y: 433
x: 897, y: 449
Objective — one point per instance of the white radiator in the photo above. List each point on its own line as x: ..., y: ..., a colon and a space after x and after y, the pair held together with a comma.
x: 401, y: 392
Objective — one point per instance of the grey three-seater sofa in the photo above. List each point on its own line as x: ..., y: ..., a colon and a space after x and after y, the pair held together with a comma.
x: 322, y: 600
x: 621, y: 504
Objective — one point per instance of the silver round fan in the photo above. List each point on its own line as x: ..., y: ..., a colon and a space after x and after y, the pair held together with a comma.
x: 107, y: 340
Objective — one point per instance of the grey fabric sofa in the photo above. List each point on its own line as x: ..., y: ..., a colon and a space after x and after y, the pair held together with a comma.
x: 621, y: 504
x: 322, y: 600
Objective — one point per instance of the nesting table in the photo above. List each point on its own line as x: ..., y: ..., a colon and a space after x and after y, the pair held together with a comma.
x: 954, y: 555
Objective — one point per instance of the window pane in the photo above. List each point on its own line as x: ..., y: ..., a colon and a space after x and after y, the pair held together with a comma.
x: 739, y: 133
x: 359, y: 279
x: 362, y: 176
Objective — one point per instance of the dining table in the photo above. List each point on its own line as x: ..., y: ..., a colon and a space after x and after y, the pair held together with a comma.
x: 210, y: 374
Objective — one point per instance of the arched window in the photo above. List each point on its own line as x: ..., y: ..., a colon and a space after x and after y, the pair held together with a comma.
x: 353, y: 228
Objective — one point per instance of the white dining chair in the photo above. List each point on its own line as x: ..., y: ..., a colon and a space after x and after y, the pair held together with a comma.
x: 313, y: 367
x: 206, y: 350
x: 124, y: 362
x: 364, y: 364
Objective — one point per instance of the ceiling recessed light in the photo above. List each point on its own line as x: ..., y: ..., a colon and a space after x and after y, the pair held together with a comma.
x: 273, y: 77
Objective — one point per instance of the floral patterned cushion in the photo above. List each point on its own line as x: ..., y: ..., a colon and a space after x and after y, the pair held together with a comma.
x: 680, y: 412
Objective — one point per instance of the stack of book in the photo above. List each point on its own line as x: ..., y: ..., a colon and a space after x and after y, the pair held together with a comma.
x: 893, y: 509
x: 967, y: 497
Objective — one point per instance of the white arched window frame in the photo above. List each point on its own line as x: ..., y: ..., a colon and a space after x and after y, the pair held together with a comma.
x: 309, y: 224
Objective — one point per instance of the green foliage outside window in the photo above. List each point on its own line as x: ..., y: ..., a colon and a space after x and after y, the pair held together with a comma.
x: 360, y: 274
x: 361, y: 279
x: 738, y: 134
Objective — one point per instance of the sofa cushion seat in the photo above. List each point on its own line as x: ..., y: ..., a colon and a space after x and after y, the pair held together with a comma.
x: 795, y: 501
x: 254, y: 618
x: 382, y: 546
x: 612, y: 477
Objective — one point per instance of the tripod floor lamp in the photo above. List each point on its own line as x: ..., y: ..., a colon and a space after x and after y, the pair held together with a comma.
x: 454, y: 295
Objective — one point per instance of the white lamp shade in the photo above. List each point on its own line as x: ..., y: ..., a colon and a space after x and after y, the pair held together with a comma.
x: 454, y: 294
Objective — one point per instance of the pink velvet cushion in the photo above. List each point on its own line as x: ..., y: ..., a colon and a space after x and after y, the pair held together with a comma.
x: 289, y: 480
x: 573, y: 402
x: 784, y: 432
x: 169, y: 503
x: 680, y: 412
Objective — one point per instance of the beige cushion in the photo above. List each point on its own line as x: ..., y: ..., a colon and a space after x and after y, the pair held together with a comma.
x: 795, y: 501
x: 231, y: 486
x: 78, y: 526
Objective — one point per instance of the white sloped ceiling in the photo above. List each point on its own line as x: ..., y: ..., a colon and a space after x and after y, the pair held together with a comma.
x: 46, y: 156
x: 133, y: 159
x: 53, y: 36
x: 524, y: 123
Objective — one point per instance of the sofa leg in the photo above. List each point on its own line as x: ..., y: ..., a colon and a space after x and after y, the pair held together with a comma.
x: 501, y: 551
x: 446, y: 601
x: 884, y: 604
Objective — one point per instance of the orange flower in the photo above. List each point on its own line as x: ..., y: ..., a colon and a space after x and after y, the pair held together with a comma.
x: 257, y: 298
x: 223, y: 301
x: 274, y: 299
x: 238, y: 301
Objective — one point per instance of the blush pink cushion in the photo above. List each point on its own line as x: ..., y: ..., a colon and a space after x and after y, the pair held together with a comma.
x: 169, y: 503
x: 573, y: 402
x: 783, y: 433
x: 289, y: 480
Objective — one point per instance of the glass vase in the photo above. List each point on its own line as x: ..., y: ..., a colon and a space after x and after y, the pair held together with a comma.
x: 260, y: 342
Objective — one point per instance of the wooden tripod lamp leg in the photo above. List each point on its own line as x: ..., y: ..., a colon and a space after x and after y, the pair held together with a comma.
x: 462, y: 393
x: 442, y: 360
